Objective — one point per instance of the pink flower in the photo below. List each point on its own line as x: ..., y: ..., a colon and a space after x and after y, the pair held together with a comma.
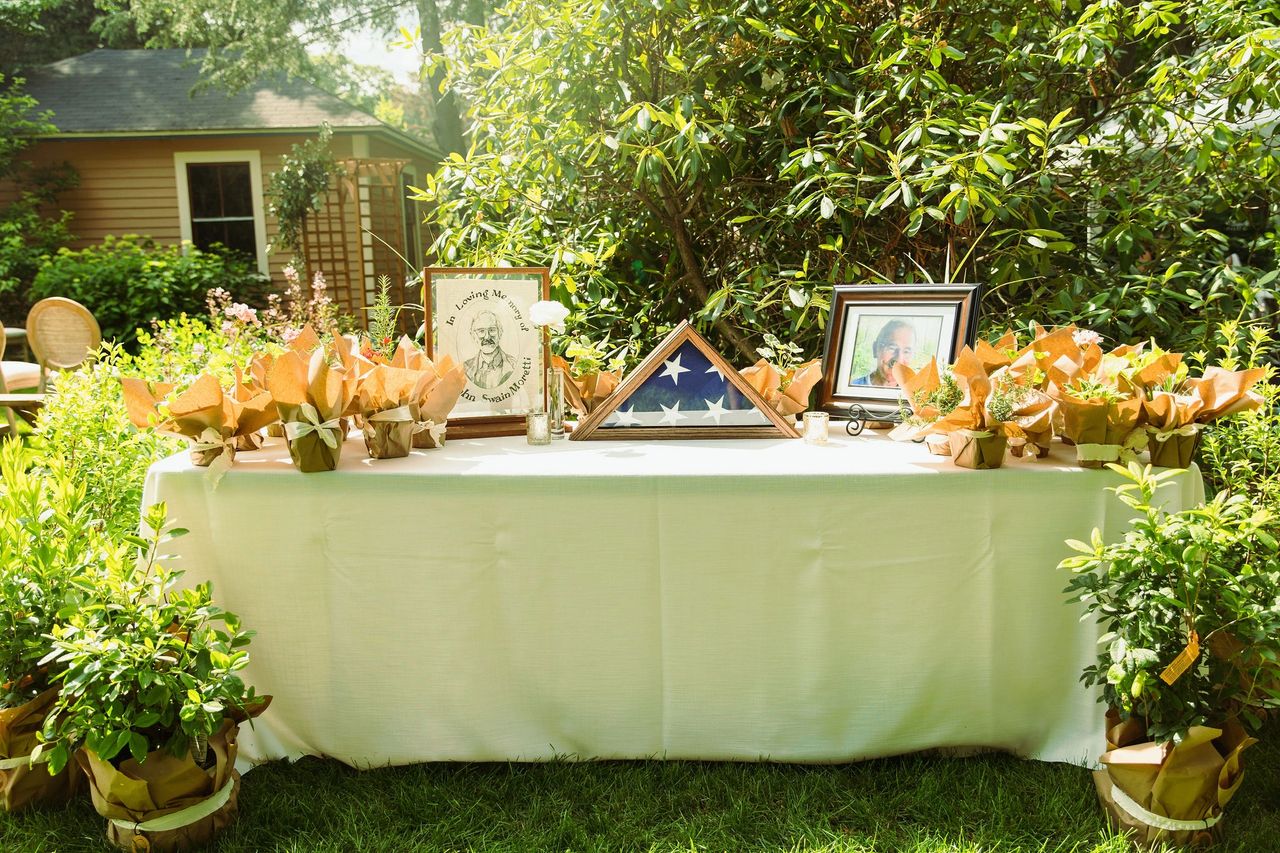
x: 228, y: 327
x: 243, y: 313
x: 198, y: 350
x: 290, y: 274
x: 289, y: 334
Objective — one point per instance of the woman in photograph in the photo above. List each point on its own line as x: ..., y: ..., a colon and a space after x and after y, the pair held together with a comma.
x: 896, y: 342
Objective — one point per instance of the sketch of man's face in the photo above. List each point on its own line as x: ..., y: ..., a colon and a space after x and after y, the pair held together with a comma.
x: 487, y: 332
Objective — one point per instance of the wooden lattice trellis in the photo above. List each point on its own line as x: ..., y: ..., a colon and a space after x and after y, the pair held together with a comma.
x: 360, y: 234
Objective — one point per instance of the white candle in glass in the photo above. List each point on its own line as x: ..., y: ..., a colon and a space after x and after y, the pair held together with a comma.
x: 537, y: 428
x: 817, y: 426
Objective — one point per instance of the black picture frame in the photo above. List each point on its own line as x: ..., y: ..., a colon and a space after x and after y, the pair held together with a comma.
x: 947, y: 314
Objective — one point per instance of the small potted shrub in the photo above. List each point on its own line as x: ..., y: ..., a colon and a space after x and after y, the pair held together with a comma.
x: 50, y: 545
x: 152, y: 700
x: 1190, y: 605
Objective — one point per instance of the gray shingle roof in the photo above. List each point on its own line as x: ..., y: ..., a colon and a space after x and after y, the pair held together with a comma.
x: 132, y: 91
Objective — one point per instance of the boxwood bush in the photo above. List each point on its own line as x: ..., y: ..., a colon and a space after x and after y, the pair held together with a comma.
x: 129, y: 281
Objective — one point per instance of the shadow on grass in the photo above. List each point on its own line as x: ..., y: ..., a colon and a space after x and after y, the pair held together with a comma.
x: 915, y: 804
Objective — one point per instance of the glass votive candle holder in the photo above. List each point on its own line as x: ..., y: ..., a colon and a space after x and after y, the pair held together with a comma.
x: 537, y: 428
x: 817, y: 427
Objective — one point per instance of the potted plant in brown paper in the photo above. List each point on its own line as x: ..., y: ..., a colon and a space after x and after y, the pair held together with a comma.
x: 214, y: 421
x: 781, y: 378
x: 930, y: 395
x: 1190, y: 605
x: 51, y: 547
x: 592, y: 375
x: 382, y: 401
x: 435, y: 392
x: 150, y: 704
x: 1175, y: 418
x: 311, y: 395
x: 978, y: 438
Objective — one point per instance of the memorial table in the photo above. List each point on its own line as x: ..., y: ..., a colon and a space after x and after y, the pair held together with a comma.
x: 735, y: 600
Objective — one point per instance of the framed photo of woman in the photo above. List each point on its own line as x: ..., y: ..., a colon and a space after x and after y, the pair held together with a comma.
x: 873, y: 327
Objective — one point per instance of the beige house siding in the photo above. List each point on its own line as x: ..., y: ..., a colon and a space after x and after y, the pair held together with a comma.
x: 130, y: 185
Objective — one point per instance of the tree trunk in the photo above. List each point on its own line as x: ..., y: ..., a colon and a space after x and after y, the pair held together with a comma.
x: 693, y: 270
x: 446, y: 118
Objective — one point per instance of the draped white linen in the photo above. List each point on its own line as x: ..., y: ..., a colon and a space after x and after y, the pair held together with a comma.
x: 685, y: 600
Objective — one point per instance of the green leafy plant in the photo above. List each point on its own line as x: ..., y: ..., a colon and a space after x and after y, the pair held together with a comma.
x: 1207, y: 576
x: 130, y: 281
x: 1241, y: 454
x: 1006, y: 396
x: 84, y: 431
x: 945, y: 398
x: 299, y: 187
x: 53, y: 552
x: 148, y: 666
x: 1089, y: 388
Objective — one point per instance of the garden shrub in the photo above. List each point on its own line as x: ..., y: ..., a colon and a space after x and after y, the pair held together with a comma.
x: 128, y: 282
x: 84, y: 429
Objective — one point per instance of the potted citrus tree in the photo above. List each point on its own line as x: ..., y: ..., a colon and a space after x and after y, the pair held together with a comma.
x: 1190, y: 605
x: 50, y: 547
x: 150, y: 705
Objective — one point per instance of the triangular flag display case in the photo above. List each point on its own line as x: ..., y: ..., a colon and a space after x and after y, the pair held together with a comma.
x: 684, y: 390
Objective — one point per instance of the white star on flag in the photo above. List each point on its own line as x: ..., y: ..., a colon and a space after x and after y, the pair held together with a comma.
x: 671, y: 415
x: 715, y: 410
x: 673, y: 369
x: 626, y: 418
x: 715, y: 370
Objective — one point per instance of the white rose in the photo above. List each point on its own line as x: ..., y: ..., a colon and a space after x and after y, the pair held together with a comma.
x: 547, y: 313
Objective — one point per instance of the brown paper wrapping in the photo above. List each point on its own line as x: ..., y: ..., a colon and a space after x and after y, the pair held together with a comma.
x: 388, y: 439
x: 589, y: 389
x: 978, y: 450
x: 1224, y: 392
x: 201, y: 411
x: 161, y: 785
x: 24, y: 787
x: 1097, y: 422
x: 995, y: 356
x: 307, y: 390
x: 1191, y: 780
x: 767, y: 380
x: 1173, y: 449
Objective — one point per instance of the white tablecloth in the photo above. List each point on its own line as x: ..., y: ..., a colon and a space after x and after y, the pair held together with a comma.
x: 701, y: 600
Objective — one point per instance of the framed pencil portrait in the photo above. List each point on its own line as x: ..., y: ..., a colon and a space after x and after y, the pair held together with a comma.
x: 479, y: 317
x: 873, y: 327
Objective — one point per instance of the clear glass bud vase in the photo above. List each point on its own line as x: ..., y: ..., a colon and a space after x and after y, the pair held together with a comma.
x: 555, y: 401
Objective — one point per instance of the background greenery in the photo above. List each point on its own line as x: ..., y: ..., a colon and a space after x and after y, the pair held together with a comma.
x: 128, y: 282
x: 1112, y: 164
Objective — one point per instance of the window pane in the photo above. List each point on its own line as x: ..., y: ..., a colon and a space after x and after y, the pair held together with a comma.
x: 202, y: 186
x: 237, y: 236
x: 237, y: 189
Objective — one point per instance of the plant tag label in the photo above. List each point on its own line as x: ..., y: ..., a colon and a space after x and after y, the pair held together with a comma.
x: 1183, y: 661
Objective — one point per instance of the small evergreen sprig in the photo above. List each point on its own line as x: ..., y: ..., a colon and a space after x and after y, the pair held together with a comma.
x: 382, y: 320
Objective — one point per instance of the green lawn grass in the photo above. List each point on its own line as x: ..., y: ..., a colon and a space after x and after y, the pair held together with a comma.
x: 915, y: 804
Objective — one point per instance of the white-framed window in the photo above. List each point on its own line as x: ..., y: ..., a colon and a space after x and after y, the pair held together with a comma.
x: 220, y: 201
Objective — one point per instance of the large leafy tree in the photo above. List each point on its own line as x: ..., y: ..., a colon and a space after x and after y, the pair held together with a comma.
x: 33, y: 32
x: 1113, y: 163
x: 246, y: 40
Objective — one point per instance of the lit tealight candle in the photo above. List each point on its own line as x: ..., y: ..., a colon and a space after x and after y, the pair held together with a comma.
x: 538, y: 428
x: 817, y: 427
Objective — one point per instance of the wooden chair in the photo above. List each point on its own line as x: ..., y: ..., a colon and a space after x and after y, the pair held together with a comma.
x: 62, y: 333
x: 17, y: 374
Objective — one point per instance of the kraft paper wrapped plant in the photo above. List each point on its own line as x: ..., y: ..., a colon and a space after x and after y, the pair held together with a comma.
x: 787, y: 390
x: 978, y: 439
x: 591, y: 386
x: 1100, y: 416
x: 435, y: 393
x: 1183, y: 660
x: 214, y: 421
x: 1169, y: 793
x: 311, y: 397
x: 382, y: 401
x: 1026, y: 411
x: 23, y: 783
x: 931, y: 395
x: 1174, y: 420
x: 781, y: 378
